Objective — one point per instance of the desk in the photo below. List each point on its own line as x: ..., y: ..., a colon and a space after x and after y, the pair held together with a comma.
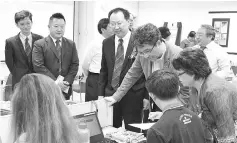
x: 105, y: 115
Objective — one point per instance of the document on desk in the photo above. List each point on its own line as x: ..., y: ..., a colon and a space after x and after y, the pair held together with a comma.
x: 143, y: 126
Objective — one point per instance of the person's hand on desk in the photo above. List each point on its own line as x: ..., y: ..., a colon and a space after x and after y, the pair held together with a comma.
x: 110, y: 100
x: 146, y: 104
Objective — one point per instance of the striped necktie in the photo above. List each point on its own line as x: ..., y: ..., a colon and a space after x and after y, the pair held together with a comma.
x: 58, y: 47
x: 119, y: 59
x: 28, y: 49
x: 27, y: 46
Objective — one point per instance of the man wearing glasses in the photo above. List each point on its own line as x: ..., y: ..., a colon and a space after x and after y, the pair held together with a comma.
x: 217, y: 56
x: 117, y: 58
x: 153, y: 54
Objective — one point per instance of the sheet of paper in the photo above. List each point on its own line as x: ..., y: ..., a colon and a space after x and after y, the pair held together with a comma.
x: 143, y: 126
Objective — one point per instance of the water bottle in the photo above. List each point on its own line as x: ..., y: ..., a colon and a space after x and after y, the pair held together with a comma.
x: 84, y: 133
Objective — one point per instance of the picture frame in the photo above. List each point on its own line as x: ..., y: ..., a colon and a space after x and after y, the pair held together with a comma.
x: 221, y: 26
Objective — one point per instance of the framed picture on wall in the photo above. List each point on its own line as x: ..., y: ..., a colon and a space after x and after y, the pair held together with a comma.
x: 221, y: 26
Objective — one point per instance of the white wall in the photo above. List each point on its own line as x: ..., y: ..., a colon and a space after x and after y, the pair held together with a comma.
x: 191, y: 14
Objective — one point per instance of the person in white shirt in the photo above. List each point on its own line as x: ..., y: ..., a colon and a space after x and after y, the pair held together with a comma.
x: 92, y: 62
x: 217, y: 57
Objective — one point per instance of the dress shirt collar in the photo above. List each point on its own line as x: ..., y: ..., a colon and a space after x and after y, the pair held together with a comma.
x: 210, y: 45
x: 23, y: 37
x: 125, y: 38
x: 54, y: 40
x: 172, y: 106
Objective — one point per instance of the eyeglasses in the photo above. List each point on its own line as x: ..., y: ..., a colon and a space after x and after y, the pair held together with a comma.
x: 148, y: 51
x: 114, y: 24
x: 181, y: 73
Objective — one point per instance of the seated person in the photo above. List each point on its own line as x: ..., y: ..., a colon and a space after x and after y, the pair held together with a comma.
x: 39, y: 113
x: 177, y: 124
x: 190, y: 41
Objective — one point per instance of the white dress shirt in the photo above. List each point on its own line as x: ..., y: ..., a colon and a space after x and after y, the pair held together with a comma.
x: 92, y: 60
x: 218, y: 60
x: 54, y: 41
x: 126, y: 39
x: 159, y: 63
x: 23, y: 38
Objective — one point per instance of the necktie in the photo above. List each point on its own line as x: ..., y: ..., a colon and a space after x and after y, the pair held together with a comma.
x: 27, y: 49
x: 27, y: 46
x: 58, y: 47
x: 119, y: 58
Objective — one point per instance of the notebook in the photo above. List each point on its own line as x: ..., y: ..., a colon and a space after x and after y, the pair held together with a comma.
x: 96, y: 134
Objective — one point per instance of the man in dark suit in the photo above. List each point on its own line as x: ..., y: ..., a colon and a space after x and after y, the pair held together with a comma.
x: 56, y: 56
x: 117, y: 57
x: 18, y: 49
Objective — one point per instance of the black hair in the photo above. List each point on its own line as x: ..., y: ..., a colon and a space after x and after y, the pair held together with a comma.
x: 103, y: 23
x: 57, y: 16
x: 147, y: 34
x: 163, y: 84
x: 165, y: 32
x: 124, y: 11
x: 21, y: 15
x: 193, y: 61
x: 192, y: 34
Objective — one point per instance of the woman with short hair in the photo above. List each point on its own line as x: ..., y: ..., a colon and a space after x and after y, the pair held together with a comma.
x: 217, y: 97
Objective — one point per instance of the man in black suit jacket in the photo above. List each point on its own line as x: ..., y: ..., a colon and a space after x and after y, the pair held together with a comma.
x: 18, y: 49
x: 56, y: 56
x: 130, y: 108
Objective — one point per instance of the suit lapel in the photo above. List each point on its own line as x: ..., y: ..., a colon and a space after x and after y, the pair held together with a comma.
x: 128, y: 52
x: 18, y: 40
x: 34, y: 38
x: 64, y: 47
x: 112, y: 55
x: 52, y: 46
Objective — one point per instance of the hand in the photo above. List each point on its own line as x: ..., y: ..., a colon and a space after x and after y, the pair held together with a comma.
x: 62, y: 86
x: 146, y: 104
x: 155, y: 115
x: 111, y: 100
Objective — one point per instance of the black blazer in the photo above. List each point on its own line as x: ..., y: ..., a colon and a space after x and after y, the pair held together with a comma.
x: 16, y: 58
x: 138, y: 91
x: 46, y: 59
